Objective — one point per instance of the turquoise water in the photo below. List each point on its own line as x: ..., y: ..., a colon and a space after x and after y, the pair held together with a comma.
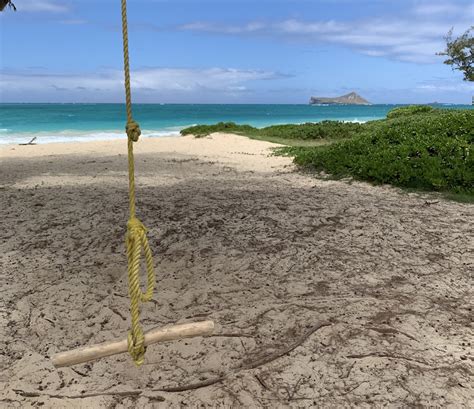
x: 82, y: 122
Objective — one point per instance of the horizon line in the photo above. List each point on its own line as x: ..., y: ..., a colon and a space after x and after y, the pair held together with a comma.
x: 227, y: 103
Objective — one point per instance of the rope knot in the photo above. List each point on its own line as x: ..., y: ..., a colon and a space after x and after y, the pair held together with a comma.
x: 133, y: 130
x: 136, y: 346
x: 135, y: 228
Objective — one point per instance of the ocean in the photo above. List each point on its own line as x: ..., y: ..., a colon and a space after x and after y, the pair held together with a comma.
x: 85, y: 122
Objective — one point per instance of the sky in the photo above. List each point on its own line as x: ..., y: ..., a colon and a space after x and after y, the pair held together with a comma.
x: 232, y: 51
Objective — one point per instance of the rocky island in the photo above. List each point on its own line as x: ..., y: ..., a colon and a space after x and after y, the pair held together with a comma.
x: 348, y: 99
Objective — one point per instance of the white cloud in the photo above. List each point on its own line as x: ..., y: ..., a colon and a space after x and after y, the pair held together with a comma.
x: 446, y: 86
x: 149, y: 82
x: 429, y: 9
x: 47, y: 6
x: 415, y: 36
x: 250, y: 27
x: 321, y: 27
x: 373, y: 53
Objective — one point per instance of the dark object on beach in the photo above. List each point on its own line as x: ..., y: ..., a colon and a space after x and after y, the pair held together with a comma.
x: 4, y: 3
x: 29, y: 143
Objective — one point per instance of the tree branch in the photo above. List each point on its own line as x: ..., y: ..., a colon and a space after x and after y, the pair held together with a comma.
x: 27, y: 394
x: 4, y: 3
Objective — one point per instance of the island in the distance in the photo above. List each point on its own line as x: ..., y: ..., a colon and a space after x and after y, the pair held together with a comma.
x: 348, y: 99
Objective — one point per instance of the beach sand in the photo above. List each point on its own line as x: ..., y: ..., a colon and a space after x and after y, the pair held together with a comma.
x: 325, y: 293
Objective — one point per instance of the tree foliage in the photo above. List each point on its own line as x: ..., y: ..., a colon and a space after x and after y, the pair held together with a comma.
x: 4, y: 3
x: 460, y: 53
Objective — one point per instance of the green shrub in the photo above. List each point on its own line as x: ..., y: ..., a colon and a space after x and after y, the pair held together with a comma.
x: 230, y: 127
x: 428, y: 151
x: 311, y: 131
x: 416, y: 147
x: 308, y: 131
x: 409, y: 110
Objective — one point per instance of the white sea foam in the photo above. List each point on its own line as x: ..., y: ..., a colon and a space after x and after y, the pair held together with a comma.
x: 355, y: 121
x: 352, y: 121
x: 179, y: 128
x: 75, y: 136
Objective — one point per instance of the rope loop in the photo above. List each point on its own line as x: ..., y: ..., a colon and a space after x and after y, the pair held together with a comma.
x: 136, y: 241
x: 133, y: 130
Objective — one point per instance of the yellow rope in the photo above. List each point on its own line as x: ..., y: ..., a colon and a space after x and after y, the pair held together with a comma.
x: 135, y: 238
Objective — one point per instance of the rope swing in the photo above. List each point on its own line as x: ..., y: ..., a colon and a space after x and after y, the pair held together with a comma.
x: 137, y: 244
x: 136, y: 239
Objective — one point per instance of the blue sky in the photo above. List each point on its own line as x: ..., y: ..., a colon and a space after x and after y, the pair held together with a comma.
x: 232, y: 51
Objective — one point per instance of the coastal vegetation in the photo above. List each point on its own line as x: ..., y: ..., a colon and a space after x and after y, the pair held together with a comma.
x: 459, y: 53
x: 409, y: 110
x: 309, y: 134
x: 414, y: 147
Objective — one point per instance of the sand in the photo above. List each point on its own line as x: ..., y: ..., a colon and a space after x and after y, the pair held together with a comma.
x: 325, y: 293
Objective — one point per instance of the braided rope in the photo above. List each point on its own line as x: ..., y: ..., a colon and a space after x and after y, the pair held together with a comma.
x: 135, y: 239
